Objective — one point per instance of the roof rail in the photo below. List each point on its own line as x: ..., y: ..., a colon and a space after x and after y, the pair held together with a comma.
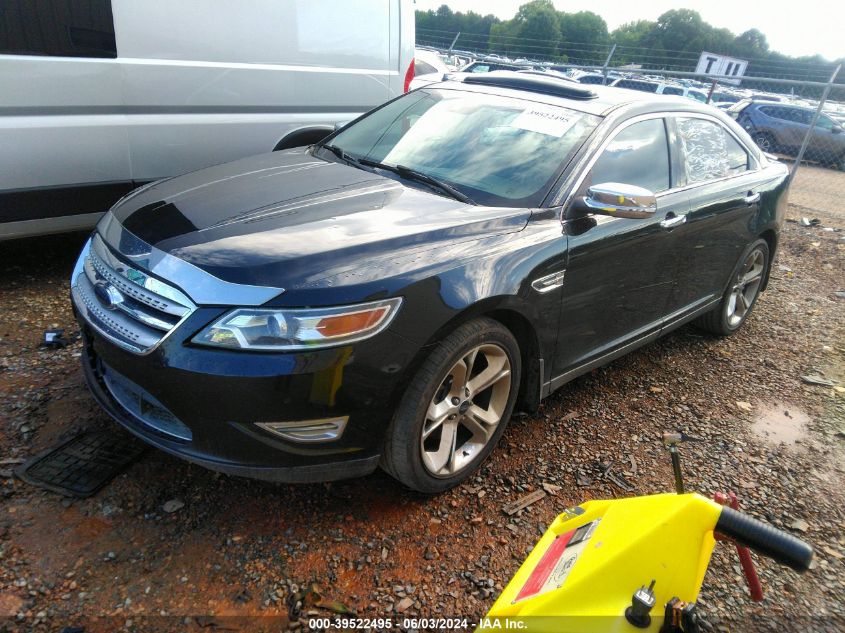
x: 532, y: 83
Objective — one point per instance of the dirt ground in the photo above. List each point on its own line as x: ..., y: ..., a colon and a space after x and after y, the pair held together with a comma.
x: 816, y: 188
x: 230, y: 557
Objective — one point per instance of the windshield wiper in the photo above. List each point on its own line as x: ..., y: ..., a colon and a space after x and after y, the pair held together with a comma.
x: 342, y: 155
x: 413, y: 174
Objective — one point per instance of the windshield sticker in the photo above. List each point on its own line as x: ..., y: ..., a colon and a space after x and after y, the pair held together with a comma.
x: 549, y: 122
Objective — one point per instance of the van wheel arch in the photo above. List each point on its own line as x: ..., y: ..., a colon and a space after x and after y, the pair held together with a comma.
x: 304, y: 136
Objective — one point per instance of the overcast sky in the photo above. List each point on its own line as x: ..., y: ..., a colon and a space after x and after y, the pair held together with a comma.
x: 798, y: 27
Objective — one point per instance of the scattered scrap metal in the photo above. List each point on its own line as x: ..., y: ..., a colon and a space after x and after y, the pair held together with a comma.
x: 523, y: 502
x: 312, y: 596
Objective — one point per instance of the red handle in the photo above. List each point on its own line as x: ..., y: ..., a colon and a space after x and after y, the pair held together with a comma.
x: 748, y: 570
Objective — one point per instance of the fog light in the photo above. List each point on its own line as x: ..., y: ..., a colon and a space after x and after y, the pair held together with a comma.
x: 322, y: 430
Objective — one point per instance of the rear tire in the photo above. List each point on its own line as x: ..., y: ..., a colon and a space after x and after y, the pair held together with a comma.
x: 449, y: 420
x: 764, y: 141
x: 742, y: 293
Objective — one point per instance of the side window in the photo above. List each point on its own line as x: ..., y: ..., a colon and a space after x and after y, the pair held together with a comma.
x: 770, y: 111
x: 82, y: 28
x: 638, y: 155
x: 800, y: 116
x: 709, y: 151
x: 672, y: 90
x: 825, y: 123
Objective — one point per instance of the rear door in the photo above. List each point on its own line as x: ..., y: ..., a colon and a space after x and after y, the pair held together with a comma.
x: 616, y: 285
x: 796, y: 122
x: 721, y: 179
x: 827, y: 142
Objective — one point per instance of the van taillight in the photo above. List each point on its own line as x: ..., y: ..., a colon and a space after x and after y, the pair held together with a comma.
x: 409, y: 76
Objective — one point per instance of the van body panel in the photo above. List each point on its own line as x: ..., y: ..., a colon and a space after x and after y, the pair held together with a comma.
x: 193, y: 84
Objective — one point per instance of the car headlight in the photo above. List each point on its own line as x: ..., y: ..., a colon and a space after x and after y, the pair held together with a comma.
x: 284, y: 329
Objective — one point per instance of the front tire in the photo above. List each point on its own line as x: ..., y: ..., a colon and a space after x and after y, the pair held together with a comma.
x: 455, y: 409
x: 742, y: 292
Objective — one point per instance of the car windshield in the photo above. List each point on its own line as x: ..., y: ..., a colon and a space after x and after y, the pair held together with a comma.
x: 498, y: 151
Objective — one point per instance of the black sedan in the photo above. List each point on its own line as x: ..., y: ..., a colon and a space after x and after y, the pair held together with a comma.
x: 389, y: 295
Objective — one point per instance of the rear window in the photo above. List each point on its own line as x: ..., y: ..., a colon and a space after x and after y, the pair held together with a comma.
x: 642, y: 86
x: 477, y: 68
x: 709, y: 151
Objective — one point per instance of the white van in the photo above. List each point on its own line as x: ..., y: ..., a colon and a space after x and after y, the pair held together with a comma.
x: 100, y: 96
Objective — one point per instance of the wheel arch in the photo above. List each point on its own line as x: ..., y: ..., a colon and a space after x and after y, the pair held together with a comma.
x: 771, y: 238
x: 504, y: 310
x: 307, y: 135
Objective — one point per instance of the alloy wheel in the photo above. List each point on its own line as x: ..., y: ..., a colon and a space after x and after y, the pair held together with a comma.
x: 466, y: 409
x: 763, y: 142
x: 746, y: 285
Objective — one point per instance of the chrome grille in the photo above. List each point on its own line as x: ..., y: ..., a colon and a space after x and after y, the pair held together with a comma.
x: 124, y: 304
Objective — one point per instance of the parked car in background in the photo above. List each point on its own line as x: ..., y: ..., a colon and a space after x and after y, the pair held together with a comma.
x: 590, y: 78
x: 781, y: 128
x: 724, y: 97
x: 428, y: 68
x: 100, y: 96
x: 390, y: 294
x: 659, y: 87
x: 488, y: 65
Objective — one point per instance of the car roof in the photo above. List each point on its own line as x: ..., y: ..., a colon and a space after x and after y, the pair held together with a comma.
x: 605, y: 100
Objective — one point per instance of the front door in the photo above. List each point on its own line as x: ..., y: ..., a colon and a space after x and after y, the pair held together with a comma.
x: 616, y: 284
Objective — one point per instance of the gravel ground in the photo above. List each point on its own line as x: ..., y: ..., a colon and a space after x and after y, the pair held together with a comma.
x: 230, y: 557
x: 817, y: 188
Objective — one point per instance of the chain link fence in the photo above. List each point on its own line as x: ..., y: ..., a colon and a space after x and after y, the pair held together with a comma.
x: 794, y: 110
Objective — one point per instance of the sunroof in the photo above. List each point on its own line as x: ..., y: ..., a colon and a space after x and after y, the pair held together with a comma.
x: 532, y: 83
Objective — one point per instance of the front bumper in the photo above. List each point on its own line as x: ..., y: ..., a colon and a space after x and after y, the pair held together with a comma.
x: 216, y: 398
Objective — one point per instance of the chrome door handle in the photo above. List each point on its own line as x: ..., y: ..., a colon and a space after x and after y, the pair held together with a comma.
x: 675, y: 220
x: 752, y: 197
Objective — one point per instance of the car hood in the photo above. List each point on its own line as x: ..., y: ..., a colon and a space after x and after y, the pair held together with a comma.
x: 288, y: 218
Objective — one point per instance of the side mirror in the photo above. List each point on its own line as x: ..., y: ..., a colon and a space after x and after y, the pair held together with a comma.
x: 836, y: 129
x: 619, y: 200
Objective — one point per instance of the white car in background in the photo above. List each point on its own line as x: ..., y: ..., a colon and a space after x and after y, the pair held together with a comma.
x: 429, y: 68
x: 660, y: 87
x: 101, y: 96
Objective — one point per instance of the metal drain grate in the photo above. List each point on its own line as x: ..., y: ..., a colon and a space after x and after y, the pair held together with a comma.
x: 82, y: 465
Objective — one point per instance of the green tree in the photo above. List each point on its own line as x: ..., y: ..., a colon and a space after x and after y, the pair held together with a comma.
x: 438, y: 28
x: 537, y: 23
x: 630, y: 39
x: 751, y: 43
x: 584, y: 36
x: 679, y: 30
x: 503, y: 37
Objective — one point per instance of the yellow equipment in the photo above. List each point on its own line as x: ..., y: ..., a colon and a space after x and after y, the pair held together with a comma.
x: 629, y: 565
